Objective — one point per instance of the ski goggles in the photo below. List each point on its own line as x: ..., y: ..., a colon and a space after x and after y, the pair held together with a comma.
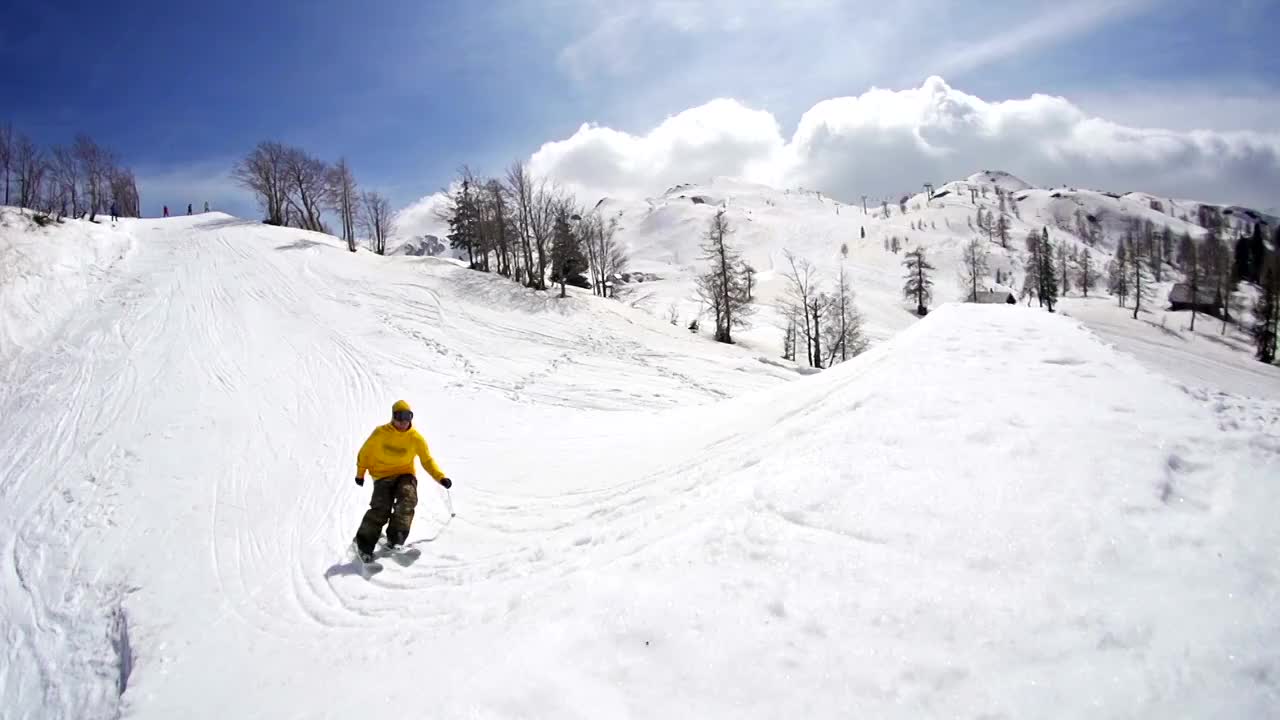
x: 402, y: 415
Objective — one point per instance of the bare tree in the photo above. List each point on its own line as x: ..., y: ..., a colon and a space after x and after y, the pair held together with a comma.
x: 819, y: 308
x: 96, y: 163
x: 802, y: 284
x: 306, y: 188
x: 497, y: 220
x: 124, y: 193
x: 377, y: 220
x: 606, y: 257
x: 346, y: 199
x: 6, y: 156
x: 542, y: 222
x: 262, y: 172
x: 976, y: 266
x: 30, y: 163
x: 521, y: 190
x: 66, y: 173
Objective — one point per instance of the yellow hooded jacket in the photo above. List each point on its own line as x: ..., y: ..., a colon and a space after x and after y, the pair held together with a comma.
x: 389, y: 452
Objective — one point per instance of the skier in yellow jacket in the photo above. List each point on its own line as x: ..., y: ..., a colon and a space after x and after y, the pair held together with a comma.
x: 388, y: 456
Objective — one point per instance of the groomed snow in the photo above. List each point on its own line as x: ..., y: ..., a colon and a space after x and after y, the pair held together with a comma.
x: 993, y: 513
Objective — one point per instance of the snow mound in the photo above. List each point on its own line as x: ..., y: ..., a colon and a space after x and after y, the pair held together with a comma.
x: 999, y: 178
x: 45, y: 272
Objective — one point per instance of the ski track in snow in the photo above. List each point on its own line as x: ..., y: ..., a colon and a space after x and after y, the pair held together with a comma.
x: 994, y: 515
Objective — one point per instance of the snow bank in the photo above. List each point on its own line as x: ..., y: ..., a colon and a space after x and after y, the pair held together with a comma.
x: 47, y: 272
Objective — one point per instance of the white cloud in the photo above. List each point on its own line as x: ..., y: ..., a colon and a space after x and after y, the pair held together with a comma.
x: 422, y: 218
x: 722, y: 137
x: 887, y: 141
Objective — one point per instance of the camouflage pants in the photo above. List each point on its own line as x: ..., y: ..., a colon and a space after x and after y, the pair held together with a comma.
x: 393, y: 501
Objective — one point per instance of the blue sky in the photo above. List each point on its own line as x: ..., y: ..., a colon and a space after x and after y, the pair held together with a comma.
x: 407, y: 91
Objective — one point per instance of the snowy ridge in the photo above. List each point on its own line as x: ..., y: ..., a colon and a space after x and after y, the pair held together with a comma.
x: 649, y: 524
x: 664, y: 235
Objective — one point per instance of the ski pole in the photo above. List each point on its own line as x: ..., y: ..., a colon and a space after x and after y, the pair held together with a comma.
x: 448, y: 498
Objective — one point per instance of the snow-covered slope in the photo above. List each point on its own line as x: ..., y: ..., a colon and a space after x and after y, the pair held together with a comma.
x: 991, y: 514
x: 664, y: 235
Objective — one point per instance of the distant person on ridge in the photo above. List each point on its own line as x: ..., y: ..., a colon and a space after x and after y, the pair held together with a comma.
x: 206, y: 206
x: 166, y: 211
x: 114, y: 215
x: 388, y: 456
x: 188, y: 208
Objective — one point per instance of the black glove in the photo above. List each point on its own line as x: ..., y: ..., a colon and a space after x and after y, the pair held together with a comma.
x: 360, y: 481
x: 447, y: 483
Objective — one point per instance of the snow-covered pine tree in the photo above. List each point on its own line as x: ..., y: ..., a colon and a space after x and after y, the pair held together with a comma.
x: 1087, y: 277
x: 723, y: 286
x: 462, y: 222
x: 1118, y: 276
x: 918, y: 285
x: 1048, y: 279
x: 975, y: 266
x: 1139, y: 277
x: 1187, y: 250
x: 1064, y: 281
x: 789, y: 338
x: 1155, y: 250
x: 1266, y: 310
x: 1193, y: 270
x: 1002, y: 231
x: 1242, y: 260
x: 1031, y: 283
x: 568, y: 261
x: 1217, y: 265
x: 844, y: 326
x: 1257, y: 252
